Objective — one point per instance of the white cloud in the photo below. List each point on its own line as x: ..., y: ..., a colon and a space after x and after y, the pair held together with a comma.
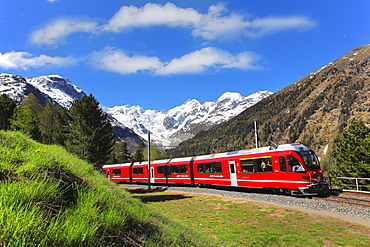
x: 25, y: 60
x: 217, y: 24
x: 152, y: 14
x: 119, y: 61
x: 56, y: 31
x: 206, y: 58
x: 265, y: 26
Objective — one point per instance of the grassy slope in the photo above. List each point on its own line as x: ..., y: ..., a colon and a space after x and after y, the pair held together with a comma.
x: 49, y: 197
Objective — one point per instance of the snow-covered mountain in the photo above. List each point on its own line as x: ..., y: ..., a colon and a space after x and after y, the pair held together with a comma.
x: 169, y: 128
x: 60, y: 89
x: 133, y: 123
x: 55, y: 88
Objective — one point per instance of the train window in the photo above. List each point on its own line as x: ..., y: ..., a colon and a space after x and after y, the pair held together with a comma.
x: 232, y: 168
x: 160, y: 169
x: 310, y: 159
x: 138, y: 171
x: 211, y: 167
x: 295, y: 165
x: 247, y: 165
x: 116, y: 171
x: 264, y: 165
x: 217, y: 168
x: 256, y: 165
x: 282, y: 162
x: 178, y: 169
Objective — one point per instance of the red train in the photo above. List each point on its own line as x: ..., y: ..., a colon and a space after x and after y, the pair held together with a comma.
x: 290, y: 168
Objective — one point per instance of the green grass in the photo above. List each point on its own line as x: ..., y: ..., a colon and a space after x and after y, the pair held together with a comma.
x: 49, y: 197
x: 233, y: 222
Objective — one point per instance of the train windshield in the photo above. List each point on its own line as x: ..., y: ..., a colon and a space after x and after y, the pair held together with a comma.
x: 310, y: 159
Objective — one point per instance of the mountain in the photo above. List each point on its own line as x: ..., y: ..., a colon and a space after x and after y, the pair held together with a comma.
x: 169, y: 128
x: 59, y: 91
x: 314, y: 111
x: 56, y: 89
x: 17, y: 88
x: 132, y: 123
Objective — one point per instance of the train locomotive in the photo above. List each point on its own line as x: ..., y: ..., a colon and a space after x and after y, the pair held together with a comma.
x: 289, y: 168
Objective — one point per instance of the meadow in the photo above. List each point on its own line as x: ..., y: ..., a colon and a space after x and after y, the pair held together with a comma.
x: 237, y: 222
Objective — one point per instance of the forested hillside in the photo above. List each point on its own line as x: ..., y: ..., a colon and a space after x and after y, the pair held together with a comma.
x: 313, y: 111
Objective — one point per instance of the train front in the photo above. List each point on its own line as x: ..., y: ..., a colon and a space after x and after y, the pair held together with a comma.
x: 318, y: 186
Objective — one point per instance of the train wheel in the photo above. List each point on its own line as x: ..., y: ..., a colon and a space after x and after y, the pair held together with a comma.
x: 287, y: 192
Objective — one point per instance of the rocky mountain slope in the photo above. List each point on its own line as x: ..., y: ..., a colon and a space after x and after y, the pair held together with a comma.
x: 60, y: 89
x: 17, y: 88
x: 313, y: 111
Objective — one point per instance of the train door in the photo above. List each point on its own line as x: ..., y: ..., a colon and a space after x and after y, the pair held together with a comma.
x: 234, y: 181
x: 152, y: 174
x: 191, y: 168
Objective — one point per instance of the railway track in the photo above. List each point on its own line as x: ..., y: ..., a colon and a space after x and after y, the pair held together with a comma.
x: 358, y: 200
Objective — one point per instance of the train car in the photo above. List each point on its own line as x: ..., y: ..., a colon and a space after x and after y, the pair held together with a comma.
x: 213, y: 170
x: 119, y: 173
x: 290, y: 168
x: 177, y: 171
x: 171, y: 171
x: 140, y: 173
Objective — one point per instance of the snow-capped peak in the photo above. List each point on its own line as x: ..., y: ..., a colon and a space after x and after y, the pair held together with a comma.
x: 230, y: 96
x: 60, y: 89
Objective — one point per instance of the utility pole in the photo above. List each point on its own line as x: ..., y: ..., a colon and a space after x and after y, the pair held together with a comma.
x: 255, y: 133
x: 149, y: 172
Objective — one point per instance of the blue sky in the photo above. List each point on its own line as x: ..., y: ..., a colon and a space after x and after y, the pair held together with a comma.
x: 158, y: 54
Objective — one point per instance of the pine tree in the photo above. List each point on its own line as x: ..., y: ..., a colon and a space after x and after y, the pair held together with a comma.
x: 7, y: 106
x: 90, y: 132
x: 53, y: 123
x: 26, y: 117
x: 139, y: 154
x: 123, y: 155
x: 352, y: 154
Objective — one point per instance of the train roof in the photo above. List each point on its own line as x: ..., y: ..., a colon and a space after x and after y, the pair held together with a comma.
x: 117, y: 165
x: 294, y: 147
